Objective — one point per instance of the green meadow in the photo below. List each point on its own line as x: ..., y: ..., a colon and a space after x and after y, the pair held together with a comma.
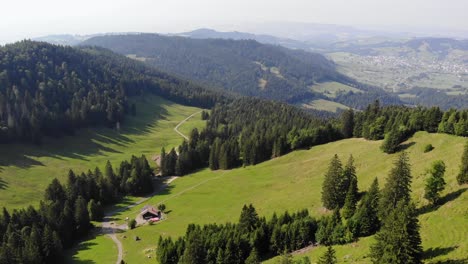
x: 26, y: 170
x: 293, y: 182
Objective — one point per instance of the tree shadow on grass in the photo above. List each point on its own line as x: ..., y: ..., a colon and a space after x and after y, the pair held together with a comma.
x: 447, y: 198
x: 450, y: 261
x: 70, y: 254
x: 88, y: 141
x: 436, y: 252
x: 3, y: 184
x: 406, y: 146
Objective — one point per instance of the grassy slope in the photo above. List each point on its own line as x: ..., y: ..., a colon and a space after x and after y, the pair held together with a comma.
x: 26, y: 170
x: 293, y: 182
x: 325, y: 105
x: 98, y: 248
x: 331, y: 89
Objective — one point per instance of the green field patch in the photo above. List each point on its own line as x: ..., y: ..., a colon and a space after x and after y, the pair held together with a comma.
x: 332, y: 89
x: 325, y: 105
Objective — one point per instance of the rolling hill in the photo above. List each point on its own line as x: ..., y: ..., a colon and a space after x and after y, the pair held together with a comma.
x: 293, y: 182
x: 49, y: 90
x: 242, y: 66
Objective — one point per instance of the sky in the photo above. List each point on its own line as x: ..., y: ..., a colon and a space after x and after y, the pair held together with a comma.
x: 21, y: 19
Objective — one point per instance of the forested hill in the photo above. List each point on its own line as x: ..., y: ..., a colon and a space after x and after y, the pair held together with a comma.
x: 243, y: 66
x: 53, y: 90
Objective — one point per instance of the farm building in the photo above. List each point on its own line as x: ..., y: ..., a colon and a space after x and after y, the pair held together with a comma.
x: 149, y: 212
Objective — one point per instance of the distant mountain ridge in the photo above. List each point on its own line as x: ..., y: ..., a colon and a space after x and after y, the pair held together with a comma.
x: 243, y: 66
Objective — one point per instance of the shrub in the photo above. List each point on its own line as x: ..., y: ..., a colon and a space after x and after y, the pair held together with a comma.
x: 132, y: 224
x: 428, y: 148
x: 161, y: 207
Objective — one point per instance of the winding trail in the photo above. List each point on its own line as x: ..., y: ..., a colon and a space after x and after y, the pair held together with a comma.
x: 109, y: 229
x: 176, y: 128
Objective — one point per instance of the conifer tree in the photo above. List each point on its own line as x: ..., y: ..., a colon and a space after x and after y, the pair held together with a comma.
x: 81, y: 215
x: 398, y: 186
x: 329, y: 257
x: 399, y: 240
x: 331, y: 188
x: 462, y: 176
x: 366, y: 215
x: 162, y: 162
x: 286, y: 258
x: 253, y: 257
x: 351, y: 200
x: 347, y: 120
x: 435, y: 183
x: 392, y: 140
x: 214, y: 154
x: 248, y: 220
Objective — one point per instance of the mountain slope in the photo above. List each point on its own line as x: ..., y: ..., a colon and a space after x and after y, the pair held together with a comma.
x: 242, y: 66
x: 53, y: 90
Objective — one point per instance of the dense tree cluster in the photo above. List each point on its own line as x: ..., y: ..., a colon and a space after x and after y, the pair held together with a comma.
x: 232, y: 65
x: 248, y: 131
x: 398, y: 241
x: 252, y: 239
x: 431, y: 97
x: 54, y: 90
x: 395, y: 124
x: 39, y: 235
x: 340, y: 185
x: 340, y: 193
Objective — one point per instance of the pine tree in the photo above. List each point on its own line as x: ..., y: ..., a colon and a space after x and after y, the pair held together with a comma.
x: 398, y: 241
x: 392, y: 140
x: 462, y: 176
x: 351, y: 200
x: 331, y: 188
x: 214, y: 154
x: 95, y: 210
x: 398, y: 186
x: 248, y: 220
x: 366, y: 215
x: 435, y: 183
x: 253, y: 257
x: 329, y: 257
x: 81, y: 215
x: 162, y: 162
x: 347, y: 120
x: 286, y: 258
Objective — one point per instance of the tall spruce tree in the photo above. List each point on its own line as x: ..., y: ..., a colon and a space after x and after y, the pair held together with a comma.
x: 399, y: 240
x: 329, y: 257
x: 347, y: 120
x: 435, y: 183
x: 162, y: 162
x: 462, y: 177
x: 332, y: 196
x: 366, y: 215
x: 351, y: 199
x: 398, y: 186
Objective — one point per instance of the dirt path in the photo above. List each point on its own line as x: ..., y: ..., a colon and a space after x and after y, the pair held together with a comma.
x: 176, y: 129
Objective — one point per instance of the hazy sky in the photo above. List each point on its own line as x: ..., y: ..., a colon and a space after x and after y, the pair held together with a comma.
x: 32, y: 18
